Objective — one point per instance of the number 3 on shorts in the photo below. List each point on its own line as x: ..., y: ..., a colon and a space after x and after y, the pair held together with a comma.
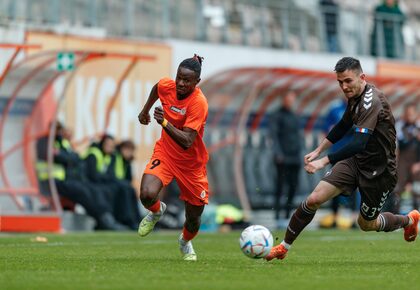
x: 155, y: 163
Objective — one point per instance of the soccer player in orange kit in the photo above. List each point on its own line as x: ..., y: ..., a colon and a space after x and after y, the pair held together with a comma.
x: 180, y: 153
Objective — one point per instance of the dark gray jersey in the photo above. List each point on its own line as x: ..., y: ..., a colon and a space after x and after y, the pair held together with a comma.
x: 371, y: 113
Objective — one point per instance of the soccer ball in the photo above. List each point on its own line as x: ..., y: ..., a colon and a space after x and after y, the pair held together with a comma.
x: 256, y: 241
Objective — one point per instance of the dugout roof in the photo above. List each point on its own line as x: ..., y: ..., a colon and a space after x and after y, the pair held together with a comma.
x: 24, y: 89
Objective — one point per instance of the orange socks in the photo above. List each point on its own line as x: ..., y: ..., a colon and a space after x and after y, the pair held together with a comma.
x: 154, y: 208
x: 187, y: 236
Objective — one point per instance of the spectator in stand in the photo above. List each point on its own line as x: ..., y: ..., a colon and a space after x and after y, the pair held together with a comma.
x: 329, y: 9
x: 98, y: 159
x: 124, y: 155
x: 415, y: 171
x: 121, y: 163
x: 69, y: 180
x: 408, y: 130
x: 387, y: 30
x: 287, y: 137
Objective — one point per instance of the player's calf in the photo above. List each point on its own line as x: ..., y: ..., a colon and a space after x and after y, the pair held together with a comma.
x: 389, y: 222
x: 367, y: 225
x: 147, y: 197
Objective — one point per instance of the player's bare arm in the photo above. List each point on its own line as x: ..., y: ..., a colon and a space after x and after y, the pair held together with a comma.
x: 144, y: 116
x: 325, y: 144
x: 336, y: 133
x: 184, y: 138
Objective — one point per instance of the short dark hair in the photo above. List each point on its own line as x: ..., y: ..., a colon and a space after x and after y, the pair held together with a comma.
x: 104, y: 138
x: 348, y: 63
x: 58, y: 126
x: 194, y: 63
x: 126, y: 143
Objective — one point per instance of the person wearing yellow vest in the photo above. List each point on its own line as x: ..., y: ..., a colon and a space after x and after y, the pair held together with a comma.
x: 68, y: 176
x: 124, y: 155
x: 100, y: 160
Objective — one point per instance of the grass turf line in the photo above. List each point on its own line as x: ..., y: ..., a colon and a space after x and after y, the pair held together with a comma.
x: 318, y: 260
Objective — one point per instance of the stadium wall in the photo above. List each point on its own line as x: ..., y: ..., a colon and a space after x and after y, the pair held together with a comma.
x: 218, y: 58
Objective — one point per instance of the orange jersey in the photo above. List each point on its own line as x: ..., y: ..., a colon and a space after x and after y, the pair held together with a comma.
x: 190, y: 112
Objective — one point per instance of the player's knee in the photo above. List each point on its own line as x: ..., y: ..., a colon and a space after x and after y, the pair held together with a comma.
x: 313, y: 202
x: 147, y: 195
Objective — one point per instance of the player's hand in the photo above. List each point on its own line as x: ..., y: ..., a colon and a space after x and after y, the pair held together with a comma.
x: 158, y: 115
x: 311, y: 157
x: 316, y: 165
x: 144, y: 118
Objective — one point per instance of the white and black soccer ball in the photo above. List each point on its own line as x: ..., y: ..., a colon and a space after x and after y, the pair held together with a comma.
x: 256, y: 241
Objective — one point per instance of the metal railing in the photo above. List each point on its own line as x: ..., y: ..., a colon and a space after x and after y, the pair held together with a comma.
x: 260, y: 23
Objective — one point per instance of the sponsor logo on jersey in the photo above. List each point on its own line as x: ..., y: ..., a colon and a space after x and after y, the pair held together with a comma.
x: 203, y: 194
x: 178, y: 110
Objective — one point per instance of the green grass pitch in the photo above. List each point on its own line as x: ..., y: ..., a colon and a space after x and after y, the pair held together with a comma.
x: 318, y: 260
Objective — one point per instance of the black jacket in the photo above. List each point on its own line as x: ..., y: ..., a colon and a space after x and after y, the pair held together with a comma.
x: 287, y: 136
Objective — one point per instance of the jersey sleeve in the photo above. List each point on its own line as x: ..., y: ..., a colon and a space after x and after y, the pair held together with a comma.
x: 369, y: 108
x: 196, y: 114
x: 165, y: 85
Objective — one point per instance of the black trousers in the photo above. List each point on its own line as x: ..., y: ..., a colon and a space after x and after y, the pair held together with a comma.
x: 287, y: 177
x: 93, y: 202
x: 123, y: 201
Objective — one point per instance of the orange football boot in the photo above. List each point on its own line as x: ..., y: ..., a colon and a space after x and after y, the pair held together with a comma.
x: 411, y: 231
x: 278, y: 252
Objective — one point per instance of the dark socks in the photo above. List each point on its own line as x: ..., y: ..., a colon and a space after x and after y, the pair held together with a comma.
x: 300, y: 219
x: 389, y: 222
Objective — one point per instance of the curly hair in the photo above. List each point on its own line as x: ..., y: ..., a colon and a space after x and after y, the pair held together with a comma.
x: 194, y: 63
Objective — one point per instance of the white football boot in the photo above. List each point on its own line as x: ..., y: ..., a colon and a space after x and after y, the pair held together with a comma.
x: 149, y: 221
x: 187, y: 250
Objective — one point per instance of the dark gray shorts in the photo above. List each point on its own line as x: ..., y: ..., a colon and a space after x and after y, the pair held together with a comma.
x: 374, y: 192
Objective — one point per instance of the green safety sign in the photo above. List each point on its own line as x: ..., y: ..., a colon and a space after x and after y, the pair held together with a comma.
x: 65, y: 61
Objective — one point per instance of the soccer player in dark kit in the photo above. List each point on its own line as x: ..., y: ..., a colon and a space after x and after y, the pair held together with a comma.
x: 367, y: 162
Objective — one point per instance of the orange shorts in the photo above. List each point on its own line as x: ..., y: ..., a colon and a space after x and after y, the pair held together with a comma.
x: 193, y: 184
